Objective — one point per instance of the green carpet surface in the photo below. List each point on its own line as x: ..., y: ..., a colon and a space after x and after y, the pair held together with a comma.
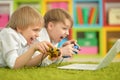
x: 111, y: 72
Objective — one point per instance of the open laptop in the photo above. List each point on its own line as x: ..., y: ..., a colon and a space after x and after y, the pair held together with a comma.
x: 105, y: 61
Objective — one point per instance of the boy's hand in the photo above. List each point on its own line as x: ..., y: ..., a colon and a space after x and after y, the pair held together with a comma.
x: 67, y: 50
x: 70, y: 42
x: 75, y: 45
x: 43, y: 46
x: 75, y: 48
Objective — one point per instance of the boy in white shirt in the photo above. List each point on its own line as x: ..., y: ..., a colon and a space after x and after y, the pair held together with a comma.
x: 18, y: 43
x: 57, y: 25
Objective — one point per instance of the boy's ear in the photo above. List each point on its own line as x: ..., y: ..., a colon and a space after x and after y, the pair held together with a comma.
x: 50, y: 25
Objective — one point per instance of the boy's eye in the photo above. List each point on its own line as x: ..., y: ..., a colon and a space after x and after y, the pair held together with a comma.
x: 36, y: 30
x: 65, y: 28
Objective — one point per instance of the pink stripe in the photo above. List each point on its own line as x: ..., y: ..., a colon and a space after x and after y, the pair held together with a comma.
x: 63, y: 5
x: 89, y: 50
x: 3, y: 20
x: 54, y: 5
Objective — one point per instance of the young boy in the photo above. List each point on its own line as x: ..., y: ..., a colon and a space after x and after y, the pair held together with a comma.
x: 57, y: 25
x: 18, y: 41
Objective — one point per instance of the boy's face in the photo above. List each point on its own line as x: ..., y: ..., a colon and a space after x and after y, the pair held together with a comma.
x: 59, y: 30
x: 31, y: 33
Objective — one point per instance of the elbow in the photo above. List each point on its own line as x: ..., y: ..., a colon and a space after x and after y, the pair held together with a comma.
x: 17, y: 66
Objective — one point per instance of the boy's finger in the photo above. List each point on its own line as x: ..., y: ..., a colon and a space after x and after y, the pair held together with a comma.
x: 73, y: 41
x: 50, y: 45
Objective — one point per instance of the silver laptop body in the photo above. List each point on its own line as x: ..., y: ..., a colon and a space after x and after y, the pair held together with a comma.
x: 105, y: 61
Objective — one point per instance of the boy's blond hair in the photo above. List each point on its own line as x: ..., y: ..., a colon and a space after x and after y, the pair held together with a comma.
x: 57, y: 15
x: 24, y: 17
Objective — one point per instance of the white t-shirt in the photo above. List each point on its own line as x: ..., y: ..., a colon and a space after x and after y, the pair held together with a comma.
x: 12, y: 45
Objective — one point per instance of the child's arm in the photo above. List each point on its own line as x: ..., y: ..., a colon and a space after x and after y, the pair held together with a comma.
x: 26, y: 58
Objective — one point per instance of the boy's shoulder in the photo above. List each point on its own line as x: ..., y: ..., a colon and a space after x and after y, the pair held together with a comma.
x: 7, y: 32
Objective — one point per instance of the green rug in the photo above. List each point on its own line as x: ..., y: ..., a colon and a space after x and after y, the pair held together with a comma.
x: 111, y: 72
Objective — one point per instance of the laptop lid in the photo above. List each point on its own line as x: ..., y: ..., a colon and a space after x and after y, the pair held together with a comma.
x: 106, y: 60
x: 110, y: 55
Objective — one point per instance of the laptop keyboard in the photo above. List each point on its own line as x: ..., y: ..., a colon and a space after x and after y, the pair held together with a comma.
x: 80, y: 66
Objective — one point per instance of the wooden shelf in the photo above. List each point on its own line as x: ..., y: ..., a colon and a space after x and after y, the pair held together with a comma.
x: 65, y: 4
x: 112, y: 0
x: 89, y: 12
x: 107, y: 6
x: 34, y: 3
x: 6, y: 9
x: 110, y: 36
x: 89, y: 38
